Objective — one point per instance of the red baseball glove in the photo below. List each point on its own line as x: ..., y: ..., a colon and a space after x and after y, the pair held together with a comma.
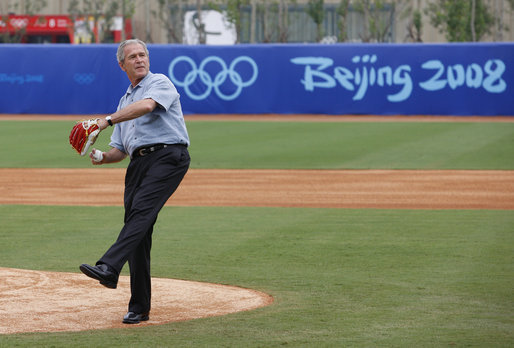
x: 83, y: 135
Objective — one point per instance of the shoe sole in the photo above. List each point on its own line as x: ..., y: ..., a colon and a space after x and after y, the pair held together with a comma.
x: 91, y: 274
x: 128, y: 321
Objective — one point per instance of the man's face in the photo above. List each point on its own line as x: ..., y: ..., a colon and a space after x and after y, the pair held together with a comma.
x: 136, y: 63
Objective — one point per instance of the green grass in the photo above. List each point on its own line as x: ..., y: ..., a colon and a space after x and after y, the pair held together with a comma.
x: 360, y: 278
x: 340, y: 277
x: 289, y: 145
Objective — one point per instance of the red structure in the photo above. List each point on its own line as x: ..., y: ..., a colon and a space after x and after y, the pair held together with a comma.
x: 55, y: 29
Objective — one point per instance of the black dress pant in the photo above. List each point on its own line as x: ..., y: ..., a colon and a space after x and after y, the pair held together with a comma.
x: 149, y: 182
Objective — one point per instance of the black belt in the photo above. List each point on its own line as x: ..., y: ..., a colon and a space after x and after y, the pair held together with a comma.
x: 145, y: 150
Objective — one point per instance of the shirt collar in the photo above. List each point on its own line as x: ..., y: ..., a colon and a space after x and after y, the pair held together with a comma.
x: 141, y: 83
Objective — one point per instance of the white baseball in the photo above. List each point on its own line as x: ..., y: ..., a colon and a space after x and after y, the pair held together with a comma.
x: 98, y: 156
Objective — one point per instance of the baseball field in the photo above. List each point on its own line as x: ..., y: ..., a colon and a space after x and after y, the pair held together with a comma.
x: 287, y: 231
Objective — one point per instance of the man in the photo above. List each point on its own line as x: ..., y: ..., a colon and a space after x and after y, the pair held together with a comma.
x: 149, y: 127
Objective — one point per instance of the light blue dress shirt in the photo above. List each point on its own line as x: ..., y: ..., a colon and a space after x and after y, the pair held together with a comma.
x: 164, y: 125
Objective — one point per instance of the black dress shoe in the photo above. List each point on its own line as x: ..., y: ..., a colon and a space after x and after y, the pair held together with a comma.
x: 101, y: 272
x: 135, y: 318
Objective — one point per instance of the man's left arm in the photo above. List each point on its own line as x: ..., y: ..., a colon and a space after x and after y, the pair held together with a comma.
x: 130, y: 112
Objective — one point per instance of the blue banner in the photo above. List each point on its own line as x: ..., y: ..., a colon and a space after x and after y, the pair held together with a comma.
x: 404, y: 79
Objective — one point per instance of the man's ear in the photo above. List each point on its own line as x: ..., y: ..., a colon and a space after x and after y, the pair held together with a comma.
x: 121, y: 66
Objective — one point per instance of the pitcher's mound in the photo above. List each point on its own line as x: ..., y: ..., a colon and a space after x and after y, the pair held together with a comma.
x: 36, y: 301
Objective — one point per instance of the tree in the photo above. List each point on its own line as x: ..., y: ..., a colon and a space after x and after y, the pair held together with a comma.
x: 34, y: 6
x: 199, y: 24
x: 283, y: 22
x: 414, y: 27
x: 171, y: 16
x: 467, y: 20
x: 128, y: 8
x: 499, y: 9
x: 379, y: 17
x: 315, y: 9
x: 342, y: 12
x: 234, y: 10
x: 263, y: 13
x: 274, y: 17
x: 253, y: 20
x: 102, y: 13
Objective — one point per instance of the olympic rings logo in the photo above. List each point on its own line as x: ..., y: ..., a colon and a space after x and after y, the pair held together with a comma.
x: 84, y: 79
x: 19, y: 23
x: 213, y: 83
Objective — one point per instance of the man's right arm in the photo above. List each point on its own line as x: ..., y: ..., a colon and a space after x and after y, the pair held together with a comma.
x: 134, y: 110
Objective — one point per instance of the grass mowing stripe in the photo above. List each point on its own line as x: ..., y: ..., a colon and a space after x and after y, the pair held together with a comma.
x: 290, y: 145
x: 43, y: 144
x: 339, y: 277
x: 355, y: 145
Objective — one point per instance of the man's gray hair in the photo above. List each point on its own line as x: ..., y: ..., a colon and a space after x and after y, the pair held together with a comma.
x: 121, y: 48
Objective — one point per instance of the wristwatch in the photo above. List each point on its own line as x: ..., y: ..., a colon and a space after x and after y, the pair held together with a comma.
x: 109, y: 120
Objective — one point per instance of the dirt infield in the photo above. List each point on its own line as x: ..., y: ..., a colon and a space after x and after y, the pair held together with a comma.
x: 35, y: 301
x: 398, y: 189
